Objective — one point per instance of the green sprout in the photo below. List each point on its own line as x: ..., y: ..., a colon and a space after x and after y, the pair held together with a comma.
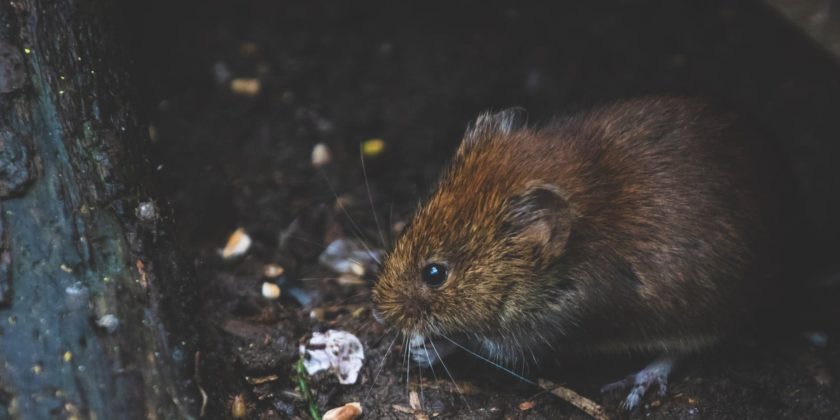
x: 300, y: 371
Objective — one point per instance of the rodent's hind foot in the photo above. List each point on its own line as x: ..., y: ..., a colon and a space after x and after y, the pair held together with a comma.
x: 639, y: 383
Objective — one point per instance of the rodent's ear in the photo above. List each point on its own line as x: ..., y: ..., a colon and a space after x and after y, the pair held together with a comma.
x: 541, y: 217
x: 489, y: 124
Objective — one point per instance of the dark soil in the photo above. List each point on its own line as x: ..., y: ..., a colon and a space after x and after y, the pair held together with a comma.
x: 343, y: 72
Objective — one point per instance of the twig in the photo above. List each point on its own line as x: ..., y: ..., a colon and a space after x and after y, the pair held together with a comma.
x: 584, y: 404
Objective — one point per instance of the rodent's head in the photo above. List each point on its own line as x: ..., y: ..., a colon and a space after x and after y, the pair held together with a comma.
x: 475, y: 257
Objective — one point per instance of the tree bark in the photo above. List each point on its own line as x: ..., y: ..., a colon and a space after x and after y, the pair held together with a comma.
x: 90, y: 288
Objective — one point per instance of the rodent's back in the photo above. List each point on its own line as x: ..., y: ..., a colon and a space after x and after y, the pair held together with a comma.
x: 672, y: 193
x: 662, y: 212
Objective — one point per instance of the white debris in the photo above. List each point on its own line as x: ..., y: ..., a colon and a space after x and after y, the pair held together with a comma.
x: 109, y: 322
x: 320, y: 155
x: 237, y: 244
x: 338, y: 351
x: 347, y: 256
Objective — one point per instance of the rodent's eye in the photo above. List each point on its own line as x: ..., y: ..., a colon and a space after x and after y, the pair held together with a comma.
x: 434, y: 274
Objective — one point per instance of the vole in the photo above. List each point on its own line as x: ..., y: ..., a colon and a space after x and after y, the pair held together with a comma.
x: 646, y: 225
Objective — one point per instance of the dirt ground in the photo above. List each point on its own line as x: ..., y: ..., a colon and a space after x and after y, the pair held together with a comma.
x: 340, y: 73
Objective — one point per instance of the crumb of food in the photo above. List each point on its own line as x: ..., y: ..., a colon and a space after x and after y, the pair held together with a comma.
x: 373, y: 147
x: 270, y: 290
x: 245, y: 86
x: 237, y: 244
x: 349, y: 411
x: 273, y: 270
x: 338, y: 351
x: 320, y: 155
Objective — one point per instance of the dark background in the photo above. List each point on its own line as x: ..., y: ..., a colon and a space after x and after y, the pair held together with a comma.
x: 414, y: 74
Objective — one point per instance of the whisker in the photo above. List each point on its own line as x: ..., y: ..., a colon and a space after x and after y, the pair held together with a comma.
x: 498, y: 366
x: 429, y: 359
x: 446, y: 369
x: 381, y: 365
x: 391, y: 223
x: 408, y: 365
x: 370, y: 197
x: 420, y: 379
x: 358, y: 233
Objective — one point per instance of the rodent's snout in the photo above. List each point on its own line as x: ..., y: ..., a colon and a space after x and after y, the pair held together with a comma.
x: 398, y: 307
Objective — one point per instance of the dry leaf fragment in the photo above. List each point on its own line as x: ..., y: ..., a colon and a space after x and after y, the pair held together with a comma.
x: 349, y: 411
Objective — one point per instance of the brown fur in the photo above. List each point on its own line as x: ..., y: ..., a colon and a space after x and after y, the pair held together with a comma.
x: 655, y: 239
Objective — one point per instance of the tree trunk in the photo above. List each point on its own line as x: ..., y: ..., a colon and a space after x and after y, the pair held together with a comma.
x: 89, y: 285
